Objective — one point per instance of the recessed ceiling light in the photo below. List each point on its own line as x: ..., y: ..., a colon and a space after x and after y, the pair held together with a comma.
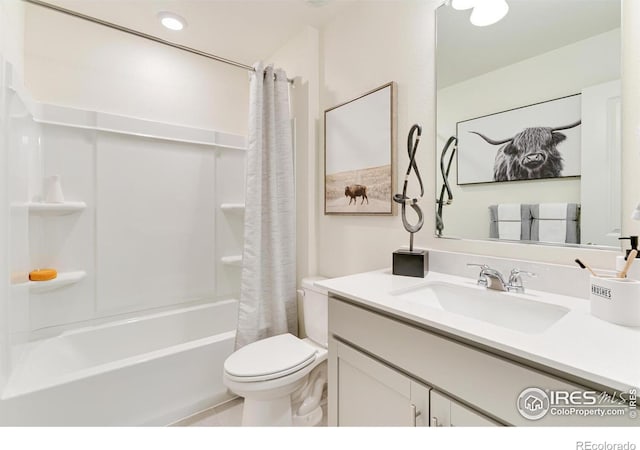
x: 172, y: 21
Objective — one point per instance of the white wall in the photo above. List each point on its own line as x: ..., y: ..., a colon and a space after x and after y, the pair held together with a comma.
x: 299, y: 57
x: 72, y: 62
x: 396, y: 41
x: 564, y: 71
x: 366, y: 46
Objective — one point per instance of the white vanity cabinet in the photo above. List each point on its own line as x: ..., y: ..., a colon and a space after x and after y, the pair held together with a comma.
x: 373, y: 394
x: 449, y: 413
x: 387, y: 370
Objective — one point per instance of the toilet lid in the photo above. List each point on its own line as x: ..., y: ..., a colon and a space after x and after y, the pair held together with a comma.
x: 270, y: 358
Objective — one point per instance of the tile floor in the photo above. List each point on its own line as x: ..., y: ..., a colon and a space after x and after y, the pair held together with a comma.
x: 228, y: 414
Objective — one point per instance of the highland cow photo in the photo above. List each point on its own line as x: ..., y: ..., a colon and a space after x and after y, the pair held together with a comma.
x: 359, y: 154
x: 528, y: 143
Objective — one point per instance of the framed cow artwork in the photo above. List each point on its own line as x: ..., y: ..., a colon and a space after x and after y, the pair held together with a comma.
x: 527, y: 143
x: 360, y: 154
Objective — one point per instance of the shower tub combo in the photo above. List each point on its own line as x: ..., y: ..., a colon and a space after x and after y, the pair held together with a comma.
x: 151, y: 370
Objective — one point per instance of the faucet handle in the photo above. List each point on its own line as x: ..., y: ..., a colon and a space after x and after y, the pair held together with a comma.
x: 517, y: 272
x: 515, y: 280
x: 482, y: 266
x: 482, y: 279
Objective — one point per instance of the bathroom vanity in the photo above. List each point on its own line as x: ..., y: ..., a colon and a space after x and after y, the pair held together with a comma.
x: 442, y: 351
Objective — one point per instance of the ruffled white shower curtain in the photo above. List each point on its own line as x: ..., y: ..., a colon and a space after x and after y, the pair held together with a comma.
x: 268, y: 291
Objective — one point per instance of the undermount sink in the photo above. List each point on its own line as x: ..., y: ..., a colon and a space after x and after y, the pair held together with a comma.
x: 506, y: 310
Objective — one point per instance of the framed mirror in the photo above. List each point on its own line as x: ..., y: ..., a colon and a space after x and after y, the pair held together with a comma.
x: 531, y: 109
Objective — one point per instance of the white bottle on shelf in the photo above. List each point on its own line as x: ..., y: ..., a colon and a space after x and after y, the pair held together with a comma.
x: 53, y: 190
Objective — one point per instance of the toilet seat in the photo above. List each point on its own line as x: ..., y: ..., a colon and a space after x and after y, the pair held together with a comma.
x: 270, y: 358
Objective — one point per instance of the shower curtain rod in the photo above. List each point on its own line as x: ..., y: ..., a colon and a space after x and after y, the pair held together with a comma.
x: 141, y: 34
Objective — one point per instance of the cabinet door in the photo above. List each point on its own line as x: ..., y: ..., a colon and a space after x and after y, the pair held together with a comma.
x: 440, y: 410
x: 449, y: 413
x: 373, y: 394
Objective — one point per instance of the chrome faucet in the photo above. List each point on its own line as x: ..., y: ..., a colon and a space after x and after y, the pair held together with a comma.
x: 493, y: 279
x: 490, y: 278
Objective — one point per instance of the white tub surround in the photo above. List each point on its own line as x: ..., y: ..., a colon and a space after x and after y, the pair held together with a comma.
x: 151, y: 370
x: 138, y: 193
x: 578, y: 345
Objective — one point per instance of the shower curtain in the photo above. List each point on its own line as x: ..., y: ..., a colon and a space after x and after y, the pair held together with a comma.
x: 268, y: 304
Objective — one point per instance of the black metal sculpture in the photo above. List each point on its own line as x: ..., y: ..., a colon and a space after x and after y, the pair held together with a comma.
x: 451, y: 143
x: 410, y: 263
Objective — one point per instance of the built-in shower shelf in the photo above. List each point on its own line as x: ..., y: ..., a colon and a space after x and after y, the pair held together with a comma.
x: 232, y: 207
x: 63, y: 279
x: 232, y: 260
x: 56, y: 209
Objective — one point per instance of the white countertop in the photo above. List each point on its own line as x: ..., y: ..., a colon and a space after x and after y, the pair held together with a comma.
x: 578, y: 344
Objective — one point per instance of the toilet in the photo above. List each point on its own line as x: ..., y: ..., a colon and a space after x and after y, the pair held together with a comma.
x: 282, y: 378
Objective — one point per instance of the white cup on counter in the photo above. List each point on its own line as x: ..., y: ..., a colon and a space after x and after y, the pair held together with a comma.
x: 616, y: 300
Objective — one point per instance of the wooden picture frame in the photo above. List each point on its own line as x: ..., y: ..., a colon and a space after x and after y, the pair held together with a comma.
x: 360, y: 147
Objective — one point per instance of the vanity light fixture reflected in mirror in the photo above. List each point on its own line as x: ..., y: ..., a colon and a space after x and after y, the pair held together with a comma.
x: 485, y: 12
x: 488, y: 12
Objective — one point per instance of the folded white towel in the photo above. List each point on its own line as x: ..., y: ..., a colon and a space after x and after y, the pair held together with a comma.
x: 552, y: 211
x: 552, y: 230
x: 509, y: 230
x: 509, y: 211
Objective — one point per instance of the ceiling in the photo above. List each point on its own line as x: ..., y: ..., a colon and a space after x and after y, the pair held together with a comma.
x: 532, y: 27
x: 250, y: 30
x: 240, y: 30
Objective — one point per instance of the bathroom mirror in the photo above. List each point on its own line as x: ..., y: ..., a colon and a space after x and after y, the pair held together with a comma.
x: 534, y: 104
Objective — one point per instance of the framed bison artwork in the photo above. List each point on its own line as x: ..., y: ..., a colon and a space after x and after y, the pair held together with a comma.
x: 532, y: 142
x: 359, y: 154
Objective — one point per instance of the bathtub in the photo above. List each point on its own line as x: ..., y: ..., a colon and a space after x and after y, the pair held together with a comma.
x: 151, y: 370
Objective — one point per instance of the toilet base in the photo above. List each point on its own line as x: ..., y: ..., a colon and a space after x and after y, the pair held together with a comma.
x: 308, y: 420
x: 261, y: 413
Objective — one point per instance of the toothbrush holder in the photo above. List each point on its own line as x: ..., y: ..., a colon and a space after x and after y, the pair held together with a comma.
x: 616, y: 300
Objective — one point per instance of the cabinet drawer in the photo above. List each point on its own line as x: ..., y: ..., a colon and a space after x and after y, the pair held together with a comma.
x: 485, y: 381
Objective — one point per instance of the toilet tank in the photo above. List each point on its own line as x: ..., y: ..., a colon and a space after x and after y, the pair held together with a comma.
x: 315, y: 304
